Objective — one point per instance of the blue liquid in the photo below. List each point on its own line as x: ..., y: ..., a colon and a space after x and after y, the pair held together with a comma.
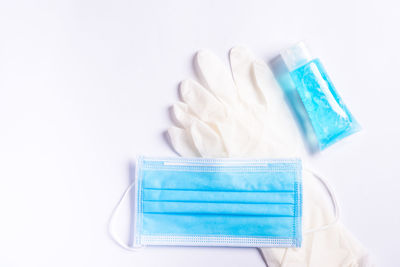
x: 329, y: 117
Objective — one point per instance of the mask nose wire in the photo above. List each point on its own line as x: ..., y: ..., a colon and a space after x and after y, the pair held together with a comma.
x: 114, y: 215
x: 334, y: 203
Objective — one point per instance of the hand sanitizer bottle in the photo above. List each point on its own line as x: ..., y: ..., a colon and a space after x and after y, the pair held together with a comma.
x: 330, y: 118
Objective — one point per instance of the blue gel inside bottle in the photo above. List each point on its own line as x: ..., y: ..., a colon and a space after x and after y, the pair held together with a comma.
x: 329, y: 117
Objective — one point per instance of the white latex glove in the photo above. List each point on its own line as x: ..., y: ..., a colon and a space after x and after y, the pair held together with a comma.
x: 222, y: 117
x: 225, y: 117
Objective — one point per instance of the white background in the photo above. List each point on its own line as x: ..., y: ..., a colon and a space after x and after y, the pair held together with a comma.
x: 85, y: 87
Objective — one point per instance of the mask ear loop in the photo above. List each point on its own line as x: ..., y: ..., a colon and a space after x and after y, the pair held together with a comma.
x: 334, y: 202
x: 111, y: 222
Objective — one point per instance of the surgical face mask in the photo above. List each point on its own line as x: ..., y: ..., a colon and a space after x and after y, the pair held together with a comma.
x: 218, y: 202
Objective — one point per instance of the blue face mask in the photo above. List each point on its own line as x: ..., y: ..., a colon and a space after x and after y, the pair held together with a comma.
x: 218, y: 202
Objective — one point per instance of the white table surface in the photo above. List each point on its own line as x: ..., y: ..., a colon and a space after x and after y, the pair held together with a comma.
x: 85, y: 87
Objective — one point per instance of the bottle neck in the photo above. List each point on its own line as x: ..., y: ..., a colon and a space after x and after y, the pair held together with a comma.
x: 296, y: 56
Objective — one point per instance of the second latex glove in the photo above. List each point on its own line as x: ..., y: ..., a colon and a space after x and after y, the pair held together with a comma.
x: 225, y: 117
x: 331, y: 247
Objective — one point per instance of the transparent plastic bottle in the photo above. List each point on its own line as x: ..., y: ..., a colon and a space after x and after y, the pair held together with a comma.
x: 330, y: 118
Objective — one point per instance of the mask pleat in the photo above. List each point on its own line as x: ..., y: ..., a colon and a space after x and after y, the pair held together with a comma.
x: 163, y: 224
x: 256, y: 209
x: 219, y: 181
x: 218, y: 196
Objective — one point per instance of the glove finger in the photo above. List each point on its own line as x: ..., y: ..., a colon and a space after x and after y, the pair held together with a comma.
x: 267, y: 84
x: 273, y: 256
x: 182, y: 142
x: 279, y: 113
x: 201, y: 102
x: 207, y: 141
x: 182, y: 116
x: 241, y: 60
x: 216, y: 77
